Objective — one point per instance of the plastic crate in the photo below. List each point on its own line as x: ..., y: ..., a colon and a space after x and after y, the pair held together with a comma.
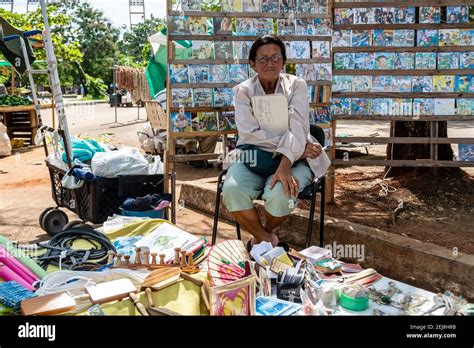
x: 99, y: 199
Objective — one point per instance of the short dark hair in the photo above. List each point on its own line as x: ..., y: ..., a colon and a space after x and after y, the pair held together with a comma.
x: 265, y: 40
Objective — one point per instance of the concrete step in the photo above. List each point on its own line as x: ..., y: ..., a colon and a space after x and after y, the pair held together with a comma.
x: 421, y: 264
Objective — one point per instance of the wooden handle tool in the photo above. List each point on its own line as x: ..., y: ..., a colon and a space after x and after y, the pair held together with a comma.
x: 146, y: 255
x: 162, y: 259
x: 138, y: 256
x: 176, y: 256
x: 153, y: 258
x: 140, y: 307
x: 183, y: 258
x: 149, y: 297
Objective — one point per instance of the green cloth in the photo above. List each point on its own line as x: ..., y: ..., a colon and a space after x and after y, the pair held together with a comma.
x: 83, y: 149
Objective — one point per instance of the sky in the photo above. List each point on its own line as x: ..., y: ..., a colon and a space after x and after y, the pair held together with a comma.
x: 116, y: 10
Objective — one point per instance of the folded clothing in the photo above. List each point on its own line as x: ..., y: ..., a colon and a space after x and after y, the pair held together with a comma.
x: 149, y: 202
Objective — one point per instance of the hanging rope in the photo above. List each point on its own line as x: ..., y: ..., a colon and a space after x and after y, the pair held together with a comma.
x: 385, y: 188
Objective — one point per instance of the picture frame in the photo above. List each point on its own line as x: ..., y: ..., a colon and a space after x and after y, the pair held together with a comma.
x: 235, y: 298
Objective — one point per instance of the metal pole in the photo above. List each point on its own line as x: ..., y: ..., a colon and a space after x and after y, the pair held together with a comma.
x: 114, y: 69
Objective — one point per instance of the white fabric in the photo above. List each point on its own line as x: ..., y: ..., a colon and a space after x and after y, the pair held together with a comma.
x: 125, y: 161
x: 5, y: 145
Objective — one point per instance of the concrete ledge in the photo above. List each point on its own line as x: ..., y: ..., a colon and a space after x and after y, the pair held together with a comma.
x: 421, y: 264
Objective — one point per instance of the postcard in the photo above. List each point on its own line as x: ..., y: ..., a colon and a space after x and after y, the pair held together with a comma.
x: 384, y: 60
x: 364, y: 15
x: 264, y: 26
x: 321, y: 49
x: 198, y: 26
x: 404, y: 60
x: 181, y: 121
x: 304, y: 26
x: 343, y: 61
x: 227, y: 121
x: 245, y: 26
x: 286, y: 26
x: 381, y: 106
x: 402, y: 107
x: 361, y: 38
x: 287, y: 6
x: 383, y: 38
x: 306, y: 71
x: 402, y: 84
x: 251, y: 5
x: 422, y: 84
x: 223, y: 50
x: 364, y: 61
x: 404, y: 38
x: 207, y: 121
x: 320, y: 115
x: 223, y: 97
x: 243, y: 49
x: 457, y: 14
x: 425, y: 60
x: 323, y: 72
x: 304, y: 6
x: 300, y: 50
x: 341, y: 106
x: 179, y: 25
x: 427, y: 37
x: 231, y: 5
x: 405, y: 15
x: 361, y: 106
x: 448, y: 37
x: 222, y: 25
x: 423, y: 107
x: 444, y: 106
x: 443, y: 83
x: 430, y: 14
x: 464, y: 83
x: 448, y: 60
x: 191, y: 5
x: 198, y: 73
x: 320, y: 7
x: 269, y: 306
x: 343, y: 16
x: 466, y: 60
x: 202, y: 97
x: 238, y: 72
x: 218, y: 73
x: 327, y: 137
x: 270, y: 6
x: 202, y: 49
x: 312, y: 94
x: 382, y: 83
x: 342, y: 83
x: 465, y: 107
x: 361, y: 83
x: 182, y: 97
x: 322, y: 27
x: 341, y: 38
x: 179, y: 73
x: 466, y: 152
x: 466, y: 37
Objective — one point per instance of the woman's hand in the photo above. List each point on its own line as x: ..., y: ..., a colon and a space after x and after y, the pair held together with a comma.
x: 312, y: 150
x: 290, y: 184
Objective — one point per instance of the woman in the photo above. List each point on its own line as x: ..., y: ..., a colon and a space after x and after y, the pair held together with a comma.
x: 280, y: 189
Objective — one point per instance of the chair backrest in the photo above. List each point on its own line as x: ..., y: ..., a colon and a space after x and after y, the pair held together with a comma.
x: 318, y: 133
x: 156, y: 115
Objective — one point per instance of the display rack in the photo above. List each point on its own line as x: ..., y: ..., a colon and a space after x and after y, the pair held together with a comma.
x: 433, y: 139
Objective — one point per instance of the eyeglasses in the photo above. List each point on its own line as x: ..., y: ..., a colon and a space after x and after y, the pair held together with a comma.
x: 276, y: 58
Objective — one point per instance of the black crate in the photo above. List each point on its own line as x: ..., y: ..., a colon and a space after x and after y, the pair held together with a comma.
x: 99, y: 199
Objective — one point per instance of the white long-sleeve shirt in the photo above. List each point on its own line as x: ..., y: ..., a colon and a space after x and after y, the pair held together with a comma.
x: 293, y: 142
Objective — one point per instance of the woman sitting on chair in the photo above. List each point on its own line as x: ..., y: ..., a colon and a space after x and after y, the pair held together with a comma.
x: 289, y: 159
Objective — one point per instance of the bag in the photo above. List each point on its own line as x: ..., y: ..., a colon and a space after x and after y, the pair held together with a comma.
x: 258, y: 161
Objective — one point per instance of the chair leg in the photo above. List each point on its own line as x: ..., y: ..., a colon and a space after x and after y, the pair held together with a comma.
x: 321, y: 215
x: 237, y: 226
x: 216, y: 212
x: 309, y: 233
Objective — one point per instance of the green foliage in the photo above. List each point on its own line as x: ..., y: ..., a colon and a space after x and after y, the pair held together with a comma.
x: 96, y: 87
x: 14, y: 100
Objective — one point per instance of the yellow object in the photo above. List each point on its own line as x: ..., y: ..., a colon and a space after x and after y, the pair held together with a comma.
x: 17, y: 143
x: 285, y: 259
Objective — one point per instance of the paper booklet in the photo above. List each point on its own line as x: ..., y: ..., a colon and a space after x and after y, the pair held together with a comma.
x: 271, y: 112
x: 166, y: 237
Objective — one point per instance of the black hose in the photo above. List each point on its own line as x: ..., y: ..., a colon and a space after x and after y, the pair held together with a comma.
x: 64, y: 240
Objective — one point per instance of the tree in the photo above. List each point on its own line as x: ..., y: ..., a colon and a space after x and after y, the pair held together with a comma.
x: 134, y: 43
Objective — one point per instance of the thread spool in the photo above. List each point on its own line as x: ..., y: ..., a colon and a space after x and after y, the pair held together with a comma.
x: 183, y: 258
x: 127, y: 261
x: 153, y: 258
x: 146, y: 258
x: 176, y: 256
x: 110, y: 255
x: 138, y: 256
